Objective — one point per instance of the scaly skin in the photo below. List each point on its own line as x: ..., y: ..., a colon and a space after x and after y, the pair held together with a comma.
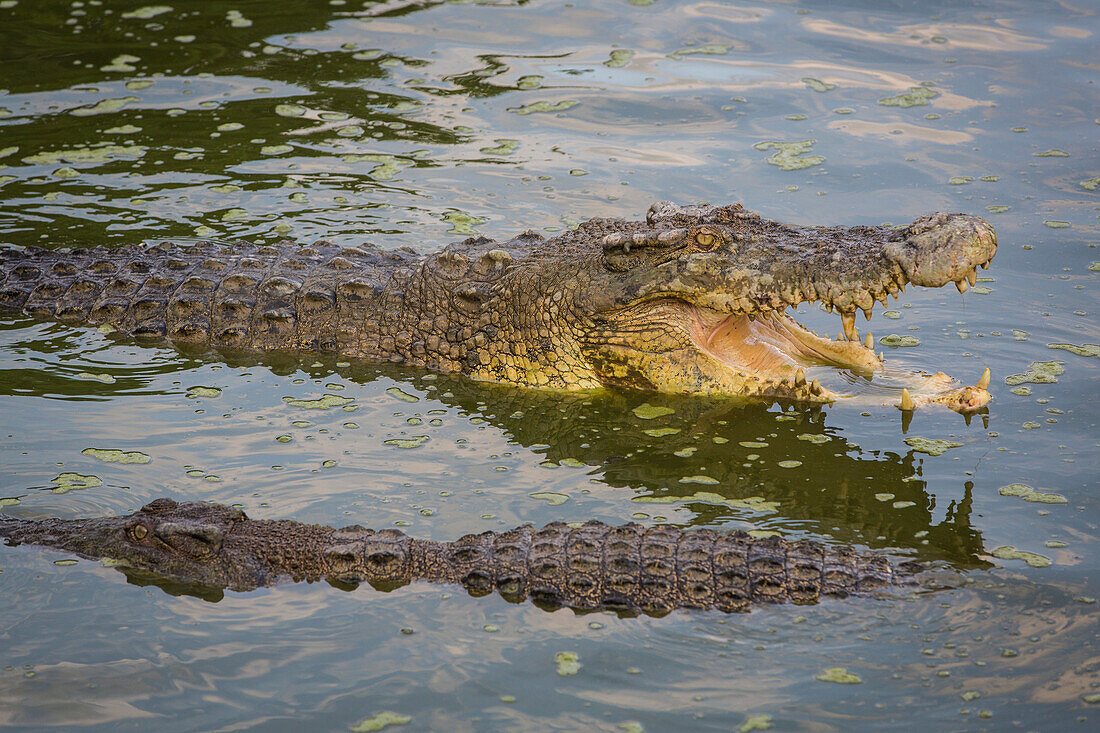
x: 689, y: 301
x: 629, y: 568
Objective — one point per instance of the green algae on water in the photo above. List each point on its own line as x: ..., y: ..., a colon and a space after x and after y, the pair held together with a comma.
x: 550, y: 497
x: 698, y: 480
x: 380, y: 721
x: 790, y: 464
x: 402, y: 395
x: 646, y: 411
x: 104, y: 378
x: 757, y: 504
x: 1027, y: 493
x: 1008, y: 552
x: 619, y: 58
x: 462, y: 222
x: 200, y: 391
x: 930, y: 446
x: 817, y: 85
x: 661, y: 432
x: 1052, y: 153
x: 540, y: 107
x: 709, y: 49
x: 1082, y: 350
x: 915, y: 97
x: 321, y: 403
x: 815, y: 438
x: 762, y: 721
x: 147, y: 11
x: 899, y: 341
x: 117, y: 456
x: 569, y: 663
x: 790, y: 156
x: 412, y: 442
x: 839, y: 675
x: 1040, y: 372
x: 504, y: 146
x: 69, y: 481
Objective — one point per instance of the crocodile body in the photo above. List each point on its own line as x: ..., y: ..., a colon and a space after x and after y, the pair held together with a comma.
x: 629, y: 568
x: 691, y: 300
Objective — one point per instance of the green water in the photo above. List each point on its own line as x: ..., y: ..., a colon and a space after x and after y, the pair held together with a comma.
x: 420, y: 123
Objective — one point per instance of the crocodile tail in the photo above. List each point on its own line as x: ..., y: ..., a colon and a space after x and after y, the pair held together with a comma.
x: 653, y: 570
x: 245, y: 296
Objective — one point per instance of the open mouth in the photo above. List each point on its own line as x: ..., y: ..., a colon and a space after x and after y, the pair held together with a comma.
x: 789, y: 359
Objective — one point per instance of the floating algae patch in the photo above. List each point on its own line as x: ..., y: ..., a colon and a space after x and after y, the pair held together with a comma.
x: 931, y: 446
x: 68, y: 481
x: 104, y: 378
x: 122, y: 62
x: 1027, y: 493
x: 539, y: 107
x: 817, y: 85
x: 903, y: 504
x: 148, y: 11
x: 569, y: 663
x: 686, y: 452
x: 326, y: 402
x: 661, y: 432
x: 200, y: 391
x: 462, y: 222
x: 1040, y: 372
x: 710, y: 49
x: 97, y: 154
x: 380, y: 721
x: 815, y: 438
x: 414, y: 442
x: 646, y: 411
x: 960, y: 180
x: 790, y: 464
x: 504, y: 146
x: 402, y: 395
x: 753, y: 444
x: 1057, y: 224
x: 1008, y: 552
x: 757, y: 504
x: 885, y: 496
x: 1082, y: 350
x: 790, y: 156
x: 276, y: 149
x: 619, y: 58
x: 108, y: 455
x: 550, y: 497
x: 1091, y: 184
x: 894, y: 339
x: 915, y: 97
x: 388, y: 165
x: 839, y: 675
x: 756, y: 722
x: 1053, y: 153
x: 698, y: 480
x: 8, y: 501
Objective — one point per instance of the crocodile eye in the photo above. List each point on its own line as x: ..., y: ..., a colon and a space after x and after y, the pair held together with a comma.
x: 705, y: 240
x: 139, y: 532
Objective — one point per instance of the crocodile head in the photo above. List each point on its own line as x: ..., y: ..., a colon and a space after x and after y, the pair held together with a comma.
x: 186, y: 541
x: 695, y: 300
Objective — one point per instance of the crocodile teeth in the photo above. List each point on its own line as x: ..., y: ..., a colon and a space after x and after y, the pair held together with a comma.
x: 867, y: 314
x: 962, y: 285
x: 972, y: 276
x: 906, y: 400
x: 815, y: 387
x: 983, y: 383
x: 799, y: 378
x: 849, y: 321
x: 869, y: 342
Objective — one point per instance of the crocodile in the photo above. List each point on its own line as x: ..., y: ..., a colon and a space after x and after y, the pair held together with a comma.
x: 692, y: 300
x: 628, y: 568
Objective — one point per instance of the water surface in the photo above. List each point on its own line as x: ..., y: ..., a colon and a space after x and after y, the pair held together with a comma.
x: 421, y: 123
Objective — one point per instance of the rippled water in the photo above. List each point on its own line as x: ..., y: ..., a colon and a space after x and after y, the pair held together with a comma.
x: 419, y: 123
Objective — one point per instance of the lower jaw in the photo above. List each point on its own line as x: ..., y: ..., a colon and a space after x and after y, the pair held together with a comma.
x: 772, y: 355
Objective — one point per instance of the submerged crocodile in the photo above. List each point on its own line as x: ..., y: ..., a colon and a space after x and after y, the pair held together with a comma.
x: 692, y: 300
x: 628, y: 568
